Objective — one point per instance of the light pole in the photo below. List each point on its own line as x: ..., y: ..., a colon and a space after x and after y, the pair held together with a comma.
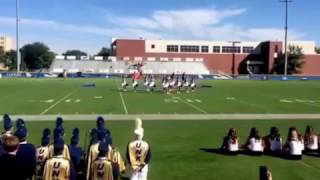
x: 17, y: 36
x: 286, y: 38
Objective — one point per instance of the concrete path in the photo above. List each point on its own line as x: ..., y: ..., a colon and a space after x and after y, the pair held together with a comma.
x: 171, y: 117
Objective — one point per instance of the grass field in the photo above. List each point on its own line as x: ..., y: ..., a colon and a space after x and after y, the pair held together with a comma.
x: 177, y: 145
x: 176, y: 149
x: 55, y: 96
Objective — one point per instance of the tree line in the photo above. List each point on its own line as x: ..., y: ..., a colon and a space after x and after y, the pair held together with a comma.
x: 37, y: 56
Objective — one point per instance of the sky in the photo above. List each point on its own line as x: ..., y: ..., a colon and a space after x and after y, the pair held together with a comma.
x: 89, y: 25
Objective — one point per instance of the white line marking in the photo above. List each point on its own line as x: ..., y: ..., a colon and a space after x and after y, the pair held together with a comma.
x: 60, y: 100
x: 122, y: 99
x: 98, y: 97
x: 198, y: 100
x: 189, y: 100
x: 77, y: 101
x: 191, y: 105
x: 49, y: 101
x: 68, y: 100
x: 123, y: 103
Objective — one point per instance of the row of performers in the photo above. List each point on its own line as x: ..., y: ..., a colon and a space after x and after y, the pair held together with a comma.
x: 169, y: 83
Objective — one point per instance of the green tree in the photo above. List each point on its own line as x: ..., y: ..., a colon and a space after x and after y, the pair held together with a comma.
x: 317, y: 49
x: 105, y: 52
x: 295, y: 61
x: 12, y: 59
x: 74, y: 52
x: 36, y: 56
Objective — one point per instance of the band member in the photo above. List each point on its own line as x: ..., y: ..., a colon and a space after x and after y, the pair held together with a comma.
x: 294, y: 145
x: 179, y: 84
x: 254, y: 144
x: 76, y: 153
x: 58, y: 167
x: 273, y: 142
x: 101, y: 166
x: 42, y: 154
x: 139, y: 154
x: 311, y: 140
x: 7, y: 126
x: 230, y: 143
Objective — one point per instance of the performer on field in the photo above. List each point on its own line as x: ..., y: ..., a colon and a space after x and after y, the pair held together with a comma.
x: 124, y: 83
x: 152, y: 83
x: 136, y: 77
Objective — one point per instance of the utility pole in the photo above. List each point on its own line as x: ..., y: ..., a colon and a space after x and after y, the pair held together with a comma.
x: 286, y: 37
x: 17, y: 36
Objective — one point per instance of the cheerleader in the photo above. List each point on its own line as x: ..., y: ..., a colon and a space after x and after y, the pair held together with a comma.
x: 193, y: 85
x: 186, y: 85
x: 179, y: 84
x: 165, y: 85
x: 273, y: 142
x: 254, y: 144
x: 152, y: 84
x: 294, y: 146
x: 146, y: 83
x: 124, y: 84
x: 311, y: 141
x: 230, y: 143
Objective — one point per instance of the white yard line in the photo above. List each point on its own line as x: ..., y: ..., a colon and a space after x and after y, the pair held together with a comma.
x: 191, y: 105
x: 122, y: 99
x: 59, y: 101
x: 123, y: 103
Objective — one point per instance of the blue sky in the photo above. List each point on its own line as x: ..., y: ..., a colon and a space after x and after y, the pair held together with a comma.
x: 90, y: 24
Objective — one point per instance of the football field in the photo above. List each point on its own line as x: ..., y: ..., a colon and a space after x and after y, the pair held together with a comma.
x: 57, y: 96
x: 181, y: 149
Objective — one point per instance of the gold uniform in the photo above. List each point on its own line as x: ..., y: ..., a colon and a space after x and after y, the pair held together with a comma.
x: 42, y: 156
x: 57, y: 168
x: 92, y: 156
x: 101, y: 169
x: 65, y: 153
x: 138, y: 151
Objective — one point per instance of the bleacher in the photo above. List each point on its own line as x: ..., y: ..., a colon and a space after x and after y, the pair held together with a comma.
x: 120, y: 67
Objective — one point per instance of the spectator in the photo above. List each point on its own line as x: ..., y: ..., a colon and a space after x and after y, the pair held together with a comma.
x: 9, y: 164
x: 230, y: 143
x: 26, y: 154
x: 254, y: 144
x: 7, y: 126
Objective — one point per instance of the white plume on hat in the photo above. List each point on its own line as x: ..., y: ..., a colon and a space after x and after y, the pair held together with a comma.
x: 139, y: 131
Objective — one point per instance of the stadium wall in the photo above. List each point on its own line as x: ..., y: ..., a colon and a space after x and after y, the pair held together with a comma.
x: 228, y: 63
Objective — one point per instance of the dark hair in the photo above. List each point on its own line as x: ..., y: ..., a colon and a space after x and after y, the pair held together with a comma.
x: 232, y: 135
x: 274, y: 133
x: 309, y: 131
x: 10, y: 143
x: 291, y: 129
x: 254, y: 133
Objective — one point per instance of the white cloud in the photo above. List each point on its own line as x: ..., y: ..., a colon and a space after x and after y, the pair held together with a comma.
x: 198, y: 23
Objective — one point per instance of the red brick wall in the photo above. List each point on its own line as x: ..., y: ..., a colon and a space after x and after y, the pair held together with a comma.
x: 312, y: 65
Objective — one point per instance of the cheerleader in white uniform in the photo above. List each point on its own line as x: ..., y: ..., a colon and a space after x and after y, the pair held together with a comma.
x: 273, y: 142
x: 311, y: 141
x: 179, y: 85
x: 152, y: 84
x: 230, y: 143
x: 193, y: 85
x: 124, y: 84
x: 294, y: 146
x: 146, y: 83
x: 186, y: 85
x: 254, y: 144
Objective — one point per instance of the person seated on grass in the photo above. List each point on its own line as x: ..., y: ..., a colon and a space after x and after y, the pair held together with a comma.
x: 254, y: 144
x: 294, y: 146
x: 230, y: 144
x: 311, y: 141
x: 273, y: 142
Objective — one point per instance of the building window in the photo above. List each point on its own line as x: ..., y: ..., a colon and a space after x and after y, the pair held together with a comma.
x: 172, y: 48
x: 247, y: 49
x: 216, y: 49
x: 231, y: 49
x: 189, y: 48
x: 204, y: 49
x: 153, y: 46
